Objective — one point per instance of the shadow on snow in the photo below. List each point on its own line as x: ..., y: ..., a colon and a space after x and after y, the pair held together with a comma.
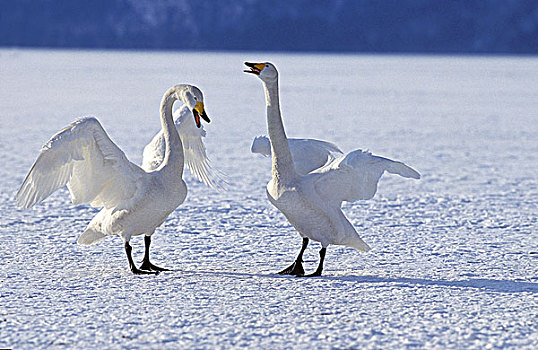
x: 500, y: 286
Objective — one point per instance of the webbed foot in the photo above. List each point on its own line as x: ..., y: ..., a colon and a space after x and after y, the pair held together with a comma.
x: 147, y: 266
x: 295, y: 269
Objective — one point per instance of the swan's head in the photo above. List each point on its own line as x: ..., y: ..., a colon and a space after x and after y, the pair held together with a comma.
x: 261, y: 145
x: 266, y: 71
x: 193, y: 98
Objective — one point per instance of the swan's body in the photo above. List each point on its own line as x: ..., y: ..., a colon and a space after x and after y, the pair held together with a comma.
x: 312, y: 202
x: 307, y: 154
x: 98, y: 173
x: 193, y: 149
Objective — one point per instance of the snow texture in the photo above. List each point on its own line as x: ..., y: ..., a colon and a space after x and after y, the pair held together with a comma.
x: 454, y: 259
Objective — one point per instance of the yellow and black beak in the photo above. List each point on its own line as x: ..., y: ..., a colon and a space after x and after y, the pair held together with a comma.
x: 198, y: 112
x: 255, y: 68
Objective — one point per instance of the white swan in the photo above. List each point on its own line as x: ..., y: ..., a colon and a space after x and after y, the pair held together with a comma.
x: 307, y: 154
x: 312, y: 202
x: 193, y: 149
x: 97, y: 172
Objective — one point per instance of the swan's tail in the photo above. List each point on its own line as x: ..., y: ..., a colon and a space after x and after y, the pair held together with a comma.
x: 359, y: 244
x: 90, y: 236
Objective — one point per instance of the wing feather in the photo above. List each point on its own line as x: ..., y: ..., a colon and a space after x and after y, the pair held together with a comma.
x: 194, y: 150
x: 313, y: 143
x: 355, y: 176
x: 83, y: 157
x: 307, y: 154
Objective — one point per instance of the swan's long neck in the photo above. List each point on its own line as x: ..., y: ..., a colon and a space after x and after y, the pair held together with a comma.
x: 173, y: 155
x: 282, y: 162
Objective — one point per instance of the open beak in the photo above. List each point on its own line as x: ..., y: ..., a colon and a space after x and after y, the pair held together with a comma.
x: 255, y: 68
x: 198, y: 112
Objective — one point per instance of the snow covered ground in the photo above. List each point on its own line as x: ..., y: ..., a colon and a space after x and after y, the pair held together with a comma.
x: 454, y: 262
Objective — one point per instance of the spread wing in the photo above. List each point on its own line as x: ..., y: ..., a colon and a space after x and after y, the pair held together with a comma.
x: 193, y: 149
x: 83, y: 157
x: 355, y: 176
x: 311, y: 154
x: 307, y: 154
x: 328, y: 147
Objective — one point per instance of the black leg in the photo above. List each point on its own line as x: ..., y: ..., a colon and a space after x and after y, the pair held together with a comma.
x: 128, y: 250
x: 296, y: 269
x: 320, y: 266
x: 146, y: 265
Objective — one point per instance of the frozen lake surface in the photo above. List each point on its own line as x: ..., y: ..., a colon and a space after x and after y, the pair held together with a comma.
x: 454, y: 262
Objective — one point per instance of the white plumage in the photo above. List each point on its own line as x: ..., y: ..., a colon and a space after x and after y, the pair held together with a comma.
x: 307, y: 154
x: 312, y: 202
x: 134, y: 201
x: 355, y: 176
x: 83, y: 157
x: 193, y: 149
